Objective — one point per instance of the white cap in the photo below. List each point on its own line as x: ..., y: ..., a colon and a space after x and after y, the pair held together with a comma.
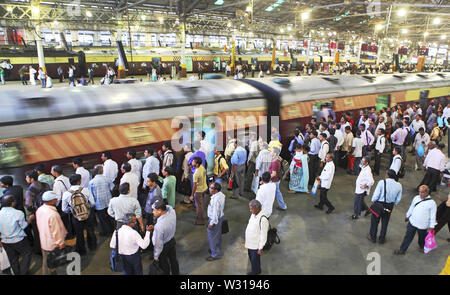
x: 48, y: 196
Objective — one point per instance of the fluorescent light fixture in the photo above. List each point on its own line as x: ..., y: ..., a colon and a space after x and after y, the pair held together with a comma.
x: 9, y: 8
x: 35, y: 9
x: 443, y: 37
x: 219, y: 2
x: 436, y: 21
x: 401, y: 12
x: 305, y: 15
x: 404, y: 31
x: 88, y: 13
x: 249, y: 9
x: 143, y: 17
x: 426, y: 34
x: 378, y: 27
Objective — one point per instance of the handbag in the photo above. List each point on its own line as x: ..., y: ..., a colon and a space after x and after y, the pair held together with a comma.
x: 315, y: 187
x: 155, y: 269
x: 116, y: 258
x: 430, y: 242
x: 378, y: 208
x: 420, y: 150
x: 58, y: 257
x: 4, y: 261
x: 225, y: 228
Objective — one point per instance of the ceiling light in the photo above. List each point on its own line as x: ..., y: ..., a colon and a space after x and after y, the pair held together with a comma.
x: 282, y: 30
x: 9, y: 9
x: 219, y: 2
x: 426, y: 34
x: 250, y: 34
x: 161, y: 19
x: 289, y: 29
x: 305, y: 15
x: 88, y: 13
x: 404, y: 31
x: 436, y: 21
x: 229, y: 24
x: 35, y: 9
x: 329, y: 34
x: 378, y: 27
x: 401, y: 12
x: 249, y: 9
x: 322, y: 33
x: 143, y: 17
x: 290, y: 36
x: 443, y: 37
x: 334, y: 33
x: 55, y: 22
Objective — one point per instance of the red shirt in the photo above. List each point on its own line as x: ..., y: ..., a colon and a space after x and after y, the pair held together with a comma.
x: 351, y: 122
x: 275, y: 166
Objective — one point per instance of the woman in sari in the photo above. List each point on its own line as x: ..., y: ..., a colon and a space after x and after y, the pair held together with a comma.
x: 298, y: 182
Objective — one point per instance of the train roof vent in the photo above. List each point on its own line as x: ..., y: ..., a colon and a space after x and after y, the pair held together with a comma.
x: 442, y: 75
x: 189, y: 91
x: 423, y: 76
x: 369, y: 78
x: 398, y: 76
x: 37, y: 102
x: 282, y: 82
x: 331, y: 79
x: 213, y: 76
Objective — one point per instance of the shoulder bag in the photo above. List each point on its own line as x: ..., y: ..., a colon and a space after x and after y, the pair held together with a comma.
x: 378, y: 208
x: 116, y: 258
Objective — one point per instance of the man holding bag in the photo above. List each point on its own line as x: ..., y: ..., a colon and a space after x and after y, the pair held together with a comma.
x: 420, y: 217
x: 388, y: 193
x: 420, y: 145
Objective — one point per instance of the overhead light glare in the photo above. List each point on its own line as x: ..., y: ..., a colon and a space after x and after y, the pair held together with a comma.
x: 401, y: 12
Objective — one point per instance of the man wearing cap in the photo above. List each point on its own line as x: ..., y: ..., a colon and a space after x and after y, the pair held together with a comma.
x: 52, y: 231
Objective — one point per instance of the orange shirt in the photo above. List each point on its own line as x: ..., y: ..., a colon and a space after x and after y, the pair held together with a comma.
x: 52, y: 232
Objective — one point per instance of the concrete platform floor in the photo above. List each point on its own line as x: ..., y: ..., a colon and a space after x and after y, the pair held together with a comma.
x: 312, y: 242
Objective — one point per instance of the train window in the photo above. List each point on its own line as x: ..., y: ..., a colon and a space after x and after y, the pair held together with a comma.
x: 383, y: 101
x: 322, y: 109
x: 10, y: 155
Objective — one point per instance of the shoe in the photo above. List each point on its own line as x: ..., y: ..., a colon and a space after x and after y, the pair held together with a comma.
x: 210, y: 258
x: 292, y: 192
x: 279, y: 208
x: 330, y: 210
x: 367, y: 213
x: 318, y: 207
x: 209, y: 251
x: 196, y: 223
x: 381, y: 242
x: 420, y: 250
x: 370, y: 239
x: 399, y: 252
x: 353, y: 217
x: 234, y: 198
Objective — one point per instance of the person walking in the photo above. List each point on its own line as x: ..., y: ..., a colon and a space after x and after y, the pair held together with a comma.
x: 388, y: 192
x: 256, y: 236
x: 380, y: 146
x: 275, y: 174
x: 266, y: 194
x: 22, y: 75
x: 363, y: 184
x: 168, y: 187
x: 421, y: 139
x: 434, y: 164
x: 32, y: 72
x: 262, y: 164
x: 60, y: 74
x: 215, y: 219
x: 164, y: 238
x: 326, y: 178
x: 13, y: 241
x: 130, y: 244
x: 421, y: 217
x: 238, y: 161
x: 52, y: 231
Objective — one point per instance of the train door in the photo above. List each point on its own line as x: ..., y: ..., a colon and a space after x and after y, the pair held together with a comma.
x: 383, y: 101
x: 423, y: 99
x: 189, y: 64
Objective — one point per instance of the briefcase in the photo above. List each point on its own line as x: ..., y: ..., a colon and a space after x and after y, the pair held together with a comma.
x: 225, y: 228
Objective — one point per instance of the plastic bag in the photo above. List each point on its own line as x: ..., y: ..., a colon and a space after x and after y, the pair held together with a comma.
x: 430, y: 243
x: 420, y: 150
x: 315, y: 187
x: 4, y: 261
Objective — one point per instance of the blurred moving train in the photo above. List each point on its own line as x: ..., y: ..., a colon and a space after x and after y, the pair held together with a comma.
x: 51, y: 126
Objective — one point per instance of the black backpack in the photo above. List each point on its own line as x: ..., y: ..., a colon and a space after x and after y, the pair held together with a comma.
x: 37, y: 201
x: 272, y: 236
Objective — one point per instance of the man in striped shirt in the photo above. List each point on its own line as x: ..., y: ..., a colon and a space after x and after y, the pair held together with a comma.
x: 100, y: 187
x: 215, y: 216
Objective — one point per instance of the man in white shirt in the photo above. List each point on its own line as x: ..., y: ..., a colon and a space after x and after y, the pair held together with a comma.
x: 253, y: 147
x: 423, y: 139
x: 256, y: 235
x: 324, y: 148
x: 80, y: 226
x: 215, y: 216
x: 340, y: 141
x: 151, y: 165
x: 136, y: 165
x: 131, y: 178
x: 418, y: 123
x: 396, y: 160
x: 130, y: 241
x: 263, y: 161
x: 110, y: 167
x: 379, y: 150
x: 435, y: 165
x: 363, y: 184
x: 326, y: 178
x: 367, y: 138
x: 61, y: 184
x: 446, y: 112
x: 266, y: 194
x: 357, y: 149
x: 79, y: 169
x: 421, y: 217
x: 381, y: 124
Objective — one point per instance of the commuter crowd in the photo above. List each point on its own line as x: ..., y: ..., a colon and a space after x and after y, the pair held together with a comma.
x: 134, y: 203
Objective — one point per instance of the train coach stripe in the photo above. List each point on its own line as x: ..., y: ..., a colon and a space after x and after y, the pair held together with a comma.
x: 62, y: 145
x: 102, y: 140
x: 90, y: 141
x: 55, y: 145
x: 73, y: 142
x: 43, y: 153
x: 111, y: 135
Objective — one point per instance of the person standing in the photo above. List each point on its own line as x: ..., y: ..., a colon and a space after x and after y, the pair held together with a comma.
x: 52, y: 231
x: 110, y: 167
x: 123, y: 204
x: 215, y: 219
x: 275, y: 177
x: 62, y: 185
x: 80, y: 170
x: 363, y: 184
x: 266, y: 194
x: 42, y: 77
x: 357, y: 152
x: 136, y: 165
x: 91, y: 76
x: 326, y: 178
x: 220, y: 167
x: 256, y: 236
x: 80, y: 225
x: 388, y: 192
x: 420, y: 217
x: 253, y: 149
x: 6, y: 182
x: 299, y: 172
x: 262, y: 164
x: 164, y: 238
x: 346, y: 147
x: 199, y: 189
x: 151, y: 165
x: 434, y: 164
x: 421, y: 139
x: 168, y: 158
x: 130, y: 244
x: 168, y: 187
x: 313, y: 156
x: 100, y: 188
x: 324, y: 149
x: 12, y: 226
x: 39, y: 168
x: 398, y: 138
x: 154, y: 194
x: 32, y: 73
x: 71, y: 77
x: 238, y: 161
x: 131, y: 179
x: 380, y: 145
x: 396, y: 161
x: 443, y: 215
x: 60, y: 74
x: 367, y: 138
x: 22, y: 75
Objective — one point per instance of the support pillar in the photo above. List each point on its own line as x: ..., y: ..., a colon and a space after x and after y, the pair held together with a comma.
x: 182, y: 41
x: 358, y: 60
x: 39, y: 47
x: 121, y: 68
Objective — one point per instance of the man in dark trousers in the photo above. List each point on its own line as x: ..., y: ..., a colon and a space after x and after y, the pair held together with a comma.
x: 434, y: 164
x: 389, y: 193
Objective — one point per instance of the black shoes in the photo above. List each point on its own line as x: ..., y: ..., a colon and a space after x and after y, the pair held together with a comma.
x: 330, y: 210
x: 367, y: 213
x: 318, y: 207
x: 354, y: 217
x: 370, y: 239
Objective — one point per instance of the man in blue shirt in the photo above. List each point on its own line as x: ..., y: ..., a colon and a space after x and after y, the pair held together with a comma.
x: 393, y: 196
x: 100, y: 188
x: 12, y: 225
x: 238, y: 161
x: 314, y: 156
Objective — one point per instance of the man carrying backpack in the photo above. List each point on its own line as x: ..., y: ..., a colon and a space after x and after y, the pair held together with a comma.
x: 33, y: 200
x: 78, y: 201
